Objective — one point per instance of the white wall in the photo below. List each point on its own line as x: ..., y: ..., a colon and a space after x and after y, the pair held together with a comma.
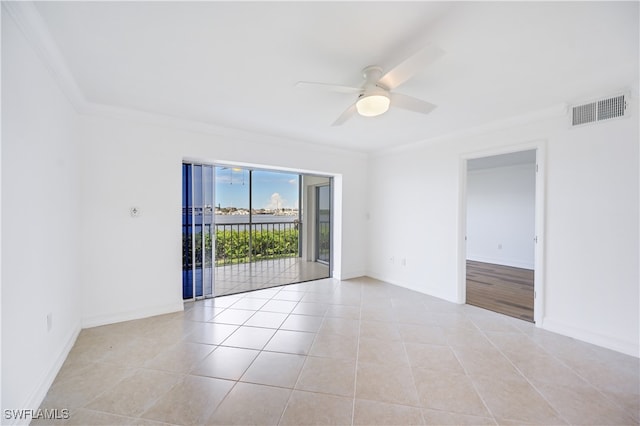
x: 40, y: 221
x: 501, y: 215
x: 412, y: 214
x: 591, y: 236
x: 132, y: 267
x: 592, y: 255
x: 69, y: 245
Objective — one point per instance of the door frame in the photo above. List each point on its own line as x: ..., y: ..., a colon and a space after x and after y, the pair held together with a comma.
x: 539, y: 248
x: 316, y: 225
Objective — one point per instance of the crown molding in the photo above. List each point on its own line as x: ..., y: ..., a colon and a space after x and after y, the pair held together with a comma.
x: 231, y: 133
x: 30, y: 23
x: 558, y: 110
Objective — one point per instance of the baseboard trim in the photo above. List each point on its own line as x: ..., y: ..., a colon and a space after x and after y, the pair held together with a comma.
x: 409, y: 287
x: 382, y: 278
x: 348, y: 275
x: 40, y: 392
x: 99, y: 320
x: 549, y: 324
x: 615, y: 344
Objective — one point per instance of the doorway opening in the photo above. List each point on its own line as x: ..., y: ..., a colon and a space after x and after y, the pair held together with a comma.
x: 246, y: 229
x: 500, y: 233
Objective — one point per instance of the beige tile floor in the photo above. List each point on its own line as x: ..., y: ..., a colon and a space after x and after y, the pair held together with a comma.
x: 358, y: 352
x: 231, y: 279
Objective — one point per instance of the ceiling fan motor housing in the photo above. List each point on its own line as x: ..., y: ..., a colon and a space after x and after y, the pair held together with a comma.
x: 372, y: 73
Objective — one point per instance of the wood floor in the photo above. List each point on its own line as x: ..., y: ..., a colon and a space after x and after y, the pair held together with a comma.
x: 502, y: 289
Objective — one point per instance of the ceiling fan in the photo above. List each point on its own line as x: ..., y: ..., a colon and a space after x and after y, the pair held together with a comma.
x: 375, y: 96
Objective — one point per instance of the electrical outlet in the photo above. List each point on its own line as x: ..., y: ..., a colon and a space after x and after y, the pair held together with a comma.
x: 392, y: 259
x: 403, y: 262
x: 499, y: 246
x: 49, y: 321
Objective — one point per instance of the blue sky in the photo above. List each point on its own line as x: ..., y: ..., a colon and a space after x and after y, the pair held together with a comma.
x: 270, y: 189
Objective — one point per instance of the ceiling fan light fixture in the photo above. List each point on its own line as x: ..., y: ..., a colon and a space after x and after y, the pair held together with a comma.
x: 372, y: 105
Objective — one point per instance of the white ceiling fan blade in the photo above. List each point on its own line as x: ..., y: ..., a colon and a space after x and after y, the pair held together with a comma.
x: 407, y: 68
x: 347, y: 114
x: 399, y: 100
x: 327, y: 87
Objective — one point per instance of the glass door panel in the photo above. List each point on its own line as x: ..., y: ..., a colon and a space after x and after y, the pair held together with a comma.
x: 197, y: 229
x: 207, y: 231
x: 187, y: 232
x: 275, y: 216
x: 231, y: 233
x: 323, y: 223
x: 197, y: 226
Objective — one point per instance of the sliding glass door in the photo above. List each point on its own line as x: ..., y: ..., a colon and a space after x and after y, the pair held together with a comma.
x: 323, y: 223
x: 243, y: 229
x: 197, y: 231
x: 258, y: 238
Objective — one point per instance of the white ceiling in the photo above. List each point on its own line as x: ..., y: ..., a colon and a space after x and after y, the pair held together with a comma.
x: 235, y: 64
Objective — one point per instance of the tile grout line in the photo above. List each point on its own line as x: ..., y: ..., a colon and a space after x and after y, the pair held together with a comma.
x: 482, y: 324
x: 355, y: 376
x: 251, y: 363
x: 586, y: 380
x: 415, y: 386
x: 519, y: 371
x: 284, y: 410
x: 404, y: 345
x: 466, y: 373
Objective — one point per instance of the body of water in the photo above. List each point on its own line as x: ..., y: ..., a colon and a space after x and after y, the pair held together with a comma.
x: 262, y: 222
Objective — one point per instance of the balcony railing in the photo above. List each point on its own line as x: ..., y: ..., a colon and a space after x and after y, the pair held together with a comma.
x: 241, y: 242
x: 237, y: 243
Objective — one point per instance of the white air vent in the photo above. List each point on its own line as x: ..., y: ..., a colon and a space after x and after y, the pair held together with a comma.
x: 603, y: 109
